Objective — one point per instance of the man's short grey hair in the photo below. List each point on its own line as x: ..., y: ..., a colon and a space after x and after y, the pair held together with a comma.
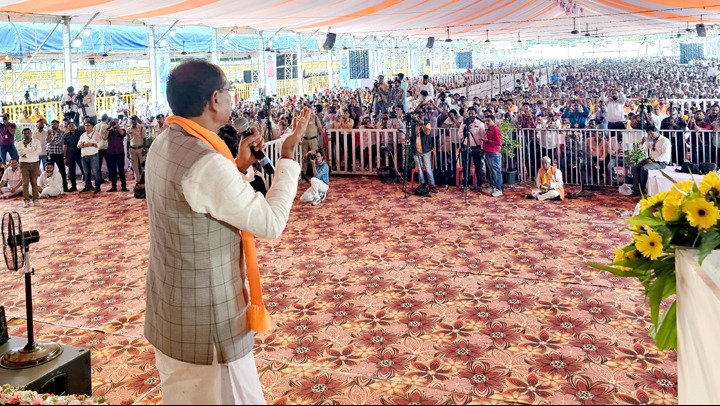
x: 547, y: 159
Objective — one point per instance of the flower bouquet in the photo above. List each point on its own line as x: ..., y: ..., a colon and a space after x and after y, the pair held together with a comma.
x: 686, y: 216
x: 10, y: 395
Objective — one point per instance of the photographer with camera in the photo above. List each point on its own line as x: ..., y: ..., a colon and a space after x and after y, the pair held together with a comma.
x: 421, y: 144
x: 380, y: 95
x: 86, y: 102
x: 475, y: 133
x: 320, y: 181
x: 116, y: 156
x: 615, y: 107
x: 70, y: 106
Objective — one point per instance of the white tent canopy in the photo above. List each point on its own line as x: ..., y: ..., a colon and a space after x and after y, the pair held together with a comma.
x: 456, y: 19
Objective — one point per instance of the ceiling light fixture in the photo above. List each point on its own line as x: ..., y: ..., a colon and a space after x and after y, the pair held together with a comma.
x: 487, y: 35
x: 173, y: 32
x: 183, y: 51
x: 574, y: 31
x: 77, y: 42
x: 87, y: 32
x: 587, y: 30
x: 448, y: 33
x: 688, y: 27
x: 519, y: 40
x: 163, y: 42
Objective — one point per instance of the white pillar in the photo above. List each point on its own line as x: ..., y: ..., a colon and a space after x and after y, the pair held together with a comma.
x: 391, y: 71
x: 214, y: 51
x: 330, y: 69
x: 298, y: 56
x: 411, y: 68
x: 154, y: 88
x: 261, y: 56
x: 67, y: 52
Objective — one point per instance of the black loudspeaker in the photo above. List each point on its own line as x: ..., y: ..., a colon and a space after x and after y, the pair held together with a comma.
x: 700, y: 28
x: 67, y: 374
x: 329, y: 41
x: 431, y: 41
x: 92, y: 61
x: 8, y: 65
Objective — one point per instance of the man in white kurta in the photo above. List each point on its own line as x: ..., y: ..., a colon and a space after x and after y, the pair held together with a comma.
x: 50, y: 182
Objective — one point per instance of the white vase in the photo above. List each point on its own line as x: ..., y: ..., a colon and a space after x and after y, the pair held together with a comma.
x: 698, y: 327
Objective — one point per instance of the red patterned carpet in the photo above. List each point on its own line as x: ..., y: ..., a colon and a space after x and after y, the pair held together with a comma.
x: 376, y: 299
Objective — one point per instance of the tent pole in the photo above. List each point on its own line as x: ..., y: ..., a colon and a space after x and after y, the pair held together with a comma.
x: 298, y: 64
x: 263, y: 71
x: 330, y: 69
x: 214, y: 51
x: 153, y: 64
x: 67, y: 52
x: 27, y: 64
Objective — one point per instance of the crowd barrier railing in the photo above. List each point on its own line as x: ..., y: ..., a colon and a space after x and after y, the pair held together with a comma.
x: 602, y: 157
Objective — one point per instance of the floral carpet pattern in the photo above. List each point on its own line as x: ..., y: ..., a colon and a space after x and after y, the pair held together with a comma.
x: 376, y: 299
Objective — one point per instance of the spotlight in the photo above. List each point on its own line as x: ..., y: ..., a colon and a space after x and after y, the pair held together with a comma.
x: 86, y: 32
x: 163, y: 42
x: 226, y: 41
x: 77, y: 42
x: 173, y: 32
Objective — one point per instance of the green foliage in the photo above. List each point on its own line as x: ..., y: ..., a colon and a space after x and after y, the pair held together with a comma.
x: 636, y: 154
x: 509, y: 144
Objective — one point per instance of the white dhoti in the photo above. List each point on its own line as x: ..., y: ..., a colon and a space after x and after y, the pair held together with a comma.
x: 235, y: 383
x: 550, y: 194
x: 51, y: 191
x: 6, y: 192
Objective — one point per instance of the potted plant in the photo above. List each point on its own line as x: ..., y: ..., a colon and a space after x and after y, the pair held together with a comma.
x: 634, y: 157
x: 507, y: 150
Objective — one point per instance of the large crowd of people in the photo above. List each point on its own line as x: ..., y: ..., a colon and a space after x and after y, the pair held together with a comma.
x: 545, y: 101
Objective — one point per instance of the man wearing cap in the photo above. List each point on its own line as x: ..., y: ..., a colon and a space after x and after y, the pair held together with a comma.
x: 136, y: 138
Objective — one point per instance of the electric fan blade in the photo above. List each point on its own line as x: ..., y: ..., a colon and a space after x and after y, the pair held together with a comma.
x: 11, y: 229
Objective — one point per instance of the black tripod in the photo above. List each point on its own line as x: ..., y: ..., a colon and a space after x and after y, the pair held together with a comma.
x: 464, y: 152
x: 410, y: 124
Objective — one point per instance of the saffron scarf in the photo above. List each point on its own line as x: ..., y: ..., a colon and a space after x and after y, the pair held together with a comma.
x: 258, y: 317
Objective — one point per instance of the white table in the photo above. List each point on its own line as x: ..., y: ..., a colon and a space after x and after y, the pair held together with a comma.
x: 698, y: 324
x: 657, y: 183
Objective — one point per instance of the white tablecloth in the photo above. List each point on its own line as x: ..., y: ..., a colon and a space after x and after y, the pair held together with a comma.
x: 698, y: 323
x: 657, y: 183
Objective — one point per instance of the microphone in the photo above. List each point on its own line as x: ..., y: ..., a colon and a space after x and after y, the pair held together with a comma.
x: 243, y: 127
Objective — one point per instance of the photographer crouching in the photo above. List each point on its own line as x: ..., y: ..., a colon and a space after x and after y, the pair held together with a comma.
x: 320, y: 182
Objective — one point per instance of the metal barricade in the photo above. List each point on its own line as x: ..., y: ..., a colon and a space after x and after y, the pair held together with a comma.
x: 589, y: 156
x: 362, y: 151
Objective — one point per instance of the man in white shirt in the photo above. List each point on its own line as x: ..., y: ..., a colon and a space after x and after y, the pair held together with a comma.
x: 41, y: 133
x: 11, y: 182
x: 50, y: 182
x: 29, y: 152
x: 88, y: 145
x: 86, y: 102
x: 615, y: 106
x: 426, y: 85
x: 660, y: 151
x: 70, y: 106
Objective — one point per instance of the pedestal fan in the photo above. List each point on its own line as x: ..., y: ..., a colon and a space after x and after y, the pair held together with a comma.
x: 16, y: 249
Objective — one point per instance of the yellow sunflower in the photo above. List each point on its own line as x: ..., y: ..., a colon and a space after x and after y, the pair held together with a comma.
x: 631, y: 254
x: 679, y: 191
x: 652, y: 201
x: 619, y: 255
x: 701, y: 213
x: 710, y: 183
x: 670, y: 211
x: 650, y: 245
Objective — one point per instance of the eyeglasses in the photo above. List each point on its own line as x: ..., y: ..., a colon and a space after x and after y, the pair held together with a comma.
x: 227, y: 89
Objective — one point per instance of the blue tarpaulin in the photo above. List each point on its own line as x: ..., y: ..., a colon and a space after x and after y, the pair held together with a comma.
x: 21, y: 39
